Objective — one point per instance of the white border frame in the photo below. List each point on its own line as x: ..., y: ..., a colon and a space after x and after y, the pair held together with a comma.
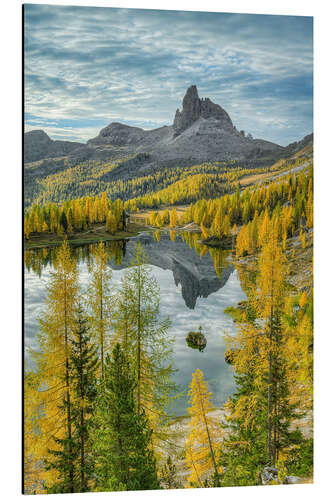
x: 11, y: 48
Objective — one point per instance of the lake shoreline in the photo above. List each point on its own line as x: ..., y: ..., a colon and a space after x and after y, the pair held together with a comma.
x: 95, y: 234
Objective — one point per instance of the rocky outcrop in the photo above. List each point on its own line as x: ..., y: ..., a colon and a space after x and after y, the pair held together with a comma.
x: 195, y: 108
x: 294, y: 147
x: 38, y: 145
x: 118, y: 134
x: 270, y: 475
x: 202, y: 131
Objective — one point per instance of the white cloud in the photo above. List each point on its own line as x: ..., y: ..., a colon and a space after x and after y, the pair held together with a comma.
x: 134, y: 65
x: 66, y: 133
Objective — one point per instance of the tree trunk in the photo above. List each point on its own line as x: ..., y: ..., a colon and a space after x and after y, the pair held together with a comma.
x: 208, y: 435
x: 101, y: 328
x: 68, y: 401
x: 82, y: 422
x: 269, y: 393
x: 139, y: 344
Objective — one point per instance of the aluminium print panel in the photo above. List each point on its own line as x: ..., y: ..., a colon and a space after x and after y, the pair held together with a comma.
x: 168, y: 249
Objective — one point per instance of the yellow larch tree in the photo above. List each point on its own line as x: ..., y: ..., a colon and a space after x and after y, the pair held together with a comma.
x: 242, y: 241
x: 234, y: 234
x: 269, y: 304
x: 264, y: 230
x: 217, y: 228
x: 99, y: 300
x: 52, y: 419
x: 173, y: 218
x: 27, y: 227
x: 33, y: 472
x: 205, y: 232
x: 172, y: 235
x: 111, y: 223
x: 202, y: 446
x: 103, y: 207
x: 302, y: 237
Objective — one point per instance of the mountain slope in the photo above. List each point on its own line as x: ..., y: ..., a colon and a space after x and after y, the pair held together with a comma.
x: 38, y: 145
x: 130, y: 162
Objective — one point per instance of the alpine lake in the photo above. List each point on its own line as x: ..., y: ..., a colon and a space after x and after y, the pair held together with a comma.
x: 197, y: 284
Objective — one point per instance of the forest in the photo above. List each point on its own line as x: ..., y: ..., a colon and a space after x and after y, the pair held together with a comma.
x: 74, y: 215
x: 247, y: 217
x: 98, y: 400
x: 57, y: 180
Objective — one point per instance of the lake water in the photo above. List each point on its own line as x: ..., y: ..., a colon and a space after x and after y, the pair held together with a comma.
x: 196, y: 285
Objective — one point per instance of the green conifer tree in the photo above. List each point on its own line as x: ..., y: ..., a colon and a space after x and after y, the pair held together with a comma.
x: 123, y: 454
x: 84, y: 365
x: 72, y: 459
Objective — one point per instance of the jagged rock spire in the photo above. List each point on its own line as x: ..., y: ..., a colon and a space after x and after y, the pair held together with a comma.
x: 194, y: 108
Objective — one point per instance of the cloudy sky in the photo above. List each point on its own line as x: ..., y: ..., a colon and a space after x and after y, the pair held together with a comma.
x: 87, y: 67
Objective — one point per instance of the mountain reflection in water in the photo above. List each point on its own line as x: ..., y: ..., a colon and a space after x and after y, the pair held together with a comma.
x: 198, y: 269
x: 208, y: 284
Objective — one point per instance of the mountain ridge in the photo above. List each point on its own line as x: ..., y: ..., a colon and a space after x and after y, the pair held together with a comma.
x: 201, y: 131
x: 38, y: 145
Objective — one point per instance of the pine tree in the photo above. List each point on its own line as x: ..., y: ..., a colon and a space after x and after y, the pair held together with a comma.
x: 168, y: 475
x: 123, y: 321
x: 84, y: 363
x: 243, y: 449
x: 150, y: 346
x: 61, y: 460
x: 124, y: 460
x: 99, y: 301
x: 202, y: 448
x: 53, y: 397
x: 263, y: 407
x: 63, y: 221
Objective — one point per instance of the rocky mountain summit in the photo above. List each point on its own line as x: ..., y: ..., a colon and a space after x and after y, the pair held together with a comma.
x: 195, y: 108
x: 38, y: 145
x: 202, y: 131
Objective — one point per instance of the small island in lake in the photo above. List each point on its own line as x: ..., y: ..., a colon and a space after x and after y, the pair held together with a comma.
x: 196, y: 340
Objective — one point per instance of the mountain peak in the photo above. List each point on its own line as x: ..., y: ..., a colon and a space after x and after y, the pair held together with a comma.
x: 195, y: 108
x: 191, y: 93
x: 38, y: 145
x: 38, y: 133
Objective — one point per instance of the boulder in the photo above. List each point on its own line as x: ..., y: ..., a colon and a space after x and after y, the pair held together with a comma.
x: 293, y: 480
x: 271, y: 475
